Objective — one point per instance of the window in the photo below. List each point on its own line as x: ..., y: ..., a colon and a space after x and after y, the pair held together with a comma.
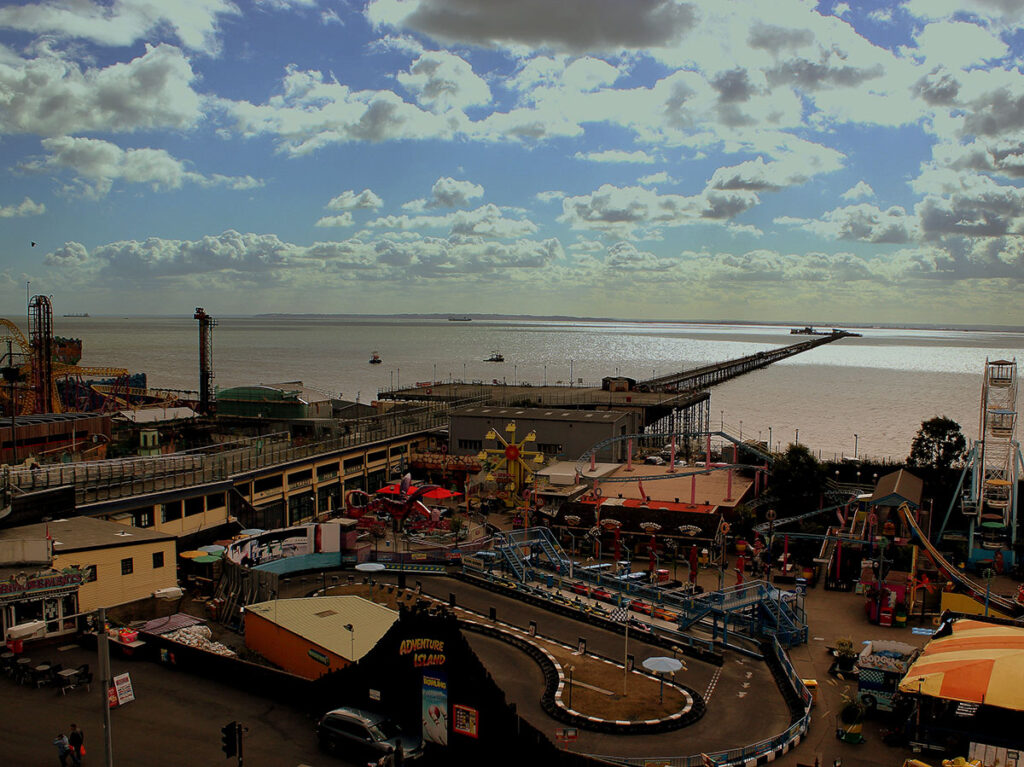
x: 471, y: 444
x: 215, y: 501
x: 549, y: 448
x: 171, y: 511
x: 158, y: 559
x: 127, y: 566
x: 194, y: 506
x: 143, y: 517
x: 379, y: 455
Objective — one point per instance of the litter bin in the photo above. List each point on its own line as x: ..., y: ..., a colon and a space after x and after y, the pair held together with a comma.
x: 15, y: 646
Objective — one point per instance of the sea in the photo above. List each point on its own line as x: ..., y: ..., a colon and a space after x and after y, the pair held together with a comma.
x: 855, y: 398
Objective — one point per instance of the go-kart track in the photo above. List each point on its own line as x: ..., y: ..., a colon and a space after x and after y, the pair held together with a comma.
x: 743, y: 702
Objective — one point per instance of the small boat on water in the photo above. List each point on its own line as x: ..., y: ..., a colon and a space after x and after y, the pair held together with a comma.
x: 460, y: 319
x: 495, y: 357
x: 375, y: 359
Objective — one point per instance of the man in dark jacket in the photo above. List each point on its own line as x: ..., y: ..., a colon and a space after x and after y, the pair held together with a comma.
x: 75, y: 740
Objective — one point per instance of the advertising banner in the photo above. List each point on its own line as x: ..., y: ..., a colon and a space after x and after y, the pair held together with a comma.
x: 435, y: 707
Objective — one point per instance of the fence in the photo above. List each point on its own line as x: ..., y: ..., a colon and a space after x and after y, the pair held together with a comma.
x: 761, y: 750
x: 123, y: 477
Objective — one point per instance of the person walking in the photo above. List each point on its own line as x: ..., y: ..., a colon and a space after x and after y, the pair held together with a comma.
x: 76, y: 739
x: 63, y: 748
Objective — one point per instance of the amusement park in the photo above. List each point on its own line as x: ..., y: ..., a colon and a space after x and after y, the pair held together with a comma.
x: 461, y: 572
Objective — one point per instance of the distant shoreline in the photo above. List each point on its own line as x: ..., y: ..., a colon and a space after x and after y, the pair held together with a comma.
x: 565, y: 318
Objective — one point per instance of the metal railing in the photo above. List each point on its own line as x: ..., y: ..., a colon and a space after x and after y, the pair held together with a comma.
x: 115, y: 478
x: 737, y: 756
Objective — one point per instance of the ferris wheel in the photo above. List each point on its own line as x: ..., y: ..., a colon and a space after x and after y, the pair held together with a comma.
x: 995, y: 475
x: 511, y: 464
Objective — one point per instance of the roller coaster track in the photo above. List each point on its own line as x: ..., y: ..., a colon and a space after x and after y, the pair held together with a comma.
x: 661, y: 437
x: 972, y: 588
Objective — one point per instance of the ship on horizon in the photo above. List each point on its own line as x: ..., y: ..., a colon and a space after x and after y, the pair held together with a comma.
x: 463, y: 318
x: 76, y: 314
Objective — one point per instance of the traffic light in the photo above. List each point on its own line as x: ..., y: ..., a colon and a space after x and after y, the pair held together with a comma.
x: 229, y: 739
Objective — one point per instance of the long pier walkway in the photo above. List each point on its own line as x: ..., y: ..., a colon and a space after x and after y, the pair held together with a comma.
x: 702, y: 377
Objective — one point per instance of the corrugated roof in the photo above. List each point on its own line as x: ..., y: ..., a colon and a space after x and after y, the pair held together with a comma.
x: 80, y: 533
x: 322, y: 621
x: 158, y: 414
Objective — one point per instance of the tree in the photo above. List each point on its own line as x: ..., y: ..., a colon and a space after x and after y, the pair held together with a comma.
x: 797, y: 481
x: 939, y: 444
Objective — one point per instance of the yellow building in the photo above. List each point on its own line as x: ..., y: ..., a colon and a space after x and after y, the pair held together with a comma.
x: 120, y: 564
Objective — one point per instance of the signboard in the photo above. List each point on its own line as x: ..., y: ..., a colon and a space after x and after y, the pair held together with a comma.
x: 374, y: 694
x: 22, y: 584
x: 318, y: 656
x: 435, y: 708
x: 123, y: 689
x: 566, y: 734
x: 466, y: 720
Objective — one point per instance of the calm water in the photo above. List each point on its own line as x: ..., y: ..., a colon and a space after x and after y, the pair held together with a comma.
x: 879, y: 387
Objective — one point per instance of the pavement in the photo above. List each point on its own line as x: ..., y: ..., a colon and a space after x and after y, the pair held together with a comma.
x: 177, y: 716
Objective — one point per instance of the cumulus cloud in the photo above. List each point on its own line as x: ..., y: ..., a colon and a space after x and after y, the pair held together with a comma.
x: 957, y: 44
x: 123, y: 23
x: 616, y: 156
x: 314, y: 111
x: 440, y: 81
x: 26, y: 207
x: 52, y: 96
x: 864, y: 222
x: 550, y: 195
x: 485, y: 221
x: 630, y: 211
x: 97, y: 164
x: 350, y: 200
x: 626, y: 257
x: 344, y: 220
x: 573, y: 25
x: 858, y: 191
x: 448, y: 192
x: 158, y: 258
x: 661, y: 177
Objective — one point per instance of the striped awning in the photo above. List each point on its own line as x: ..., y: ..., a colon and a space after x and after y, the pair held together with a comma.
x: 977, y: 662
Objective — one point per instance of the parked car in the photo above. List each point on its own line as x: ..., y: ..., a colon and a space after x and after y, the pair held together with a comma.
x: 364, y: 735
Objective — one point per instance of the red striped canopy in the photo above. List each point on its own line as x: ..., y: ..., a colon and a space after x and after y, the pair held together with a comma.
x: 978, y: 662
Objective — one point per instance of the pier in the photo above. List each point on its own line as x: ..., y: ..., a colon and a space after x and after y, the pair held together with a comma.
x: 708, y: 375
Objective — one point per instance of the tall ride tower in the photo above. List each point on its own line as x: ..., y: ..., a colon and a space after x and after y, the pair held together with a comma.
x: 206, y: 325
x: 994, y: 481
x: 41, y: 343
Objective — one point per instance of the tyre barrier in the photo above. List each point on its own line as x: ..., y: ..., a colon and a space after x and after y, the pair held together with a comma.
x: 554, y: 682
x: 791, y: 696
x: 714, y: 658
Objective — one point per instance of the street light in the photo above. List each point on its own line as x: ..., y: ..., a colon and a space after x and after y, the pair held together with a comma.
x: 570, y: 669
x: 352, y: 634
x: 856, y: 438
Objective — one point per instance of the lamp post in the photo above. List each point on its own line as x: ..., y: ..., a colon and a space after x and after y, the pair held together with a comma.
x: 570, y: 669
x: 856, y: 438
x: 741, y: 428
x: 797, y: 436
x: 352, y: 636
x: 988, y: 574
x: 721, y: 421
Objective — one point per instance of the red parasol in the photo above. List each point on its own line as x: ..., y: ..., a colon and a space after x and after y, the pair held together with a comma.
x: 440, y: 494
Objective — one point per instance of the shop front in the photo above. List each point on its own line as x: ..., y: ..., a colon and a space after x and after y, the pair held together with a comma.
x: 49, y: 596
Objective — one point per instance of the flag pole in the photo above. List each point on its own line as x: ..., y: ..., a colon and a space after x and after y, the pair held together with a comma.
x: 625, y: 661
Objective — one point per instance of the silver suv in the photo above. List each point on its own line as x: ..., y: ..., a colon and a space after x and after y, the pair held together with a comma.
x: 363, y: 736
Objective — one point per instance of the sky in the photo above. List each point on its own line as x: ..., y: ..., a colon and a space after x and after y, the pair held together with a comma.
x: 777, y: 160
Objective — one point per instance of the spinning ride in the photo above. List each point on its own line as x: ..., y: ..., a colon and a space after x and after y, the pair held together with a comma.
x: 510, y: 464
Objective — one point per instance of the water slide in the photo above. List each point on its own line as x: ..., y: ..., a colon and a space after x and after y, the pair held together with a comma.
x: 962, y: 582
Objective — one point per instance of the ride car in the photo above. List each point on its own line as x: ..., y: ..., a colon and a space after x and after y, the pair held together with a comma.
x: 364, y: 735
